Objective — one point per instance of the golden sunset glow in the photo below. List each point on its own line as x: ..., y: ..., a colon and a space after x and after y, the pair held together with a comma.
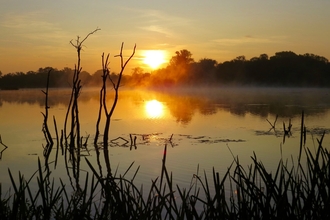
x: 154, y: 58
x: 36, y: 34
x: 154, y: 109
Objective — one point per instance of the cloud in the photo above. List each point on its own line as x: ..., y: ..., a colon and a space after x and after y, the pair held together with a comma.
x: 159, y: 21
x: 158, y: 29
x: 32, y: 26
x: 248, y: 39
x: 27, y: 21
x: 161, y: 17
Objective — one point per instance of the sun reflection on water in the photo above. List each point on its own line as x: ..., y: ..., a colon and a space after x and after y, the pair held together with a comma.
x: 154, y: 109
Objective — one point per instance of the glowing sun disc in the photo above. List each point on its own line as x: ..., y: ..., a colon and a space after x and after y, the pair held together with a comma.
x: 154, y: 58
x: 154, y: 109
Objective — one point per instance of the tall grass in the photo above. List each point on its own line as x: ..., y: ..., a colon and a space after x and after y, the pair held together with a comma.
x: 296, y: 191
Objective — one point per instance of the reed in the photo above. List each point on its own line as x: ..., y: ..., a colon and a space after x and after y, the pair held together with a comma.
x: 296, y: 191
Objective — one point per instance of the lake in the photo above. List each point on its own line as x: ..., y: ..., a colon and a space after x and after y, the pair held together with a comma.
x: 203, y: 128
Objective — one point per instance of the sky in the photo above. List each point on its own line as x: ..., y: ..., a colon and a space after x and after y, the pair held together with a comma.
x: 37, y: 33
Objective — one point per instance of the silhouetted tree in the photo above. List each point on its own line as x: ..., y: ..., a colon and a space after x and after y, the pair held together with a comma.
x: 179, y: 65
x: 138, y: 78
x: 182, y: 59
x: 283, y: 69
x: 204, y: 71
x: 257, y: 70
x: 207, y: 65
x: 263, y: 57
x: 137, y: 71
x: 232, y: 71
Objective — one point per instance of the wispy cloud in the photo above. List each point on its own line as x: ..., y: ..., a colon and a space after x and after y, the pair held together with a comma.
x: 248, y: 39
x: 159, y: 21
x: 158, y: 29
x: 160, y: 16
x: 32, y: 26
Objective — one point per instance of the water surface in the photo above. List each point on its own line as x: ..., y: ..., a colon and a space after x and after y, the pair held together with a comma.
x: 202, y: 128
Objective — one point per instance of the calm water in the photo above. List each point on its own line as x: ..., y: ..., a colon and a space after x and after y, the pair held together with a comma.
x: 207, y: 126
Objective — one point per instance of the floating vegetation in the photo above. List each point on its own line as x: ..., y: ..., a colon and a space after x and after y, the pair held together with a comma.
x: 207, y: 141
x: 258, y: 132
x: 319, y: 130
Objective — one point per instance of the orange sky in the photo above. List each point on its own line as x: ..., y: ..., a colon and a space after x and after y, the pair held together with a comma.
x: 37, y: 33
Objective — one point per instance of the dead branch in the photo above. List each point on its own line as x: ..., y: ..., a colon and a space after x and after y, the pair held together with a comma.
x: 76, y: 87
x: 72, y: 113
x: 3, y: 143
x: 102, y: 100
x: 272, y: 125
x: 103, y: 93
x: 45, y: 128
x: 119, y: 138
x: 78, y: 45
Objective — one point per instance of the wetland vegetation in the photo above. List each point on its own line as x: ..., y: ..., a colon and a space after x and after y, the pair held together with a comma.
x: 296, y: 189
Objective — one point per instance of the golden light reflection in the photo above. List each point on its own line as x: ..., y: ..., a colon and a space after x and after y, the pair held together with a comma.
x: 154, y: 109
x: 154, y: 58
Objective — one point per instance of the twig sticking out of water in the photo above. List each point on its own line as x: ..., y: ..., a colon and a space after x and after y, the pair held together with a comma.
x: 301, y: 135
x: 170, y: 141
x: 273, y: 125
x: 321, y: 140
x: 3, y: 143
x: 4, y: 148
x: 103, y: 94
x: 287, y: 131
x: 304, y: 135
x: 49, y: 139
x: 45, y: 128
x: 119, y: 138
x: 72, y: 119
x: 133, y: 142
x: 103, y: 101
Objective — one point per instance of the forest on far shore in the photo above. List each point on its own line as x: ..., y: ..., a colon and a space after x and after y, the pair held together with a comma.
x: 284, y: 69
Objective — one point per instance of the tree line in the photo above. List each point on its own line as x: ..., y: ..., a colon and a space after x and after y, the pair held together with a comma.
x: 285, y: 68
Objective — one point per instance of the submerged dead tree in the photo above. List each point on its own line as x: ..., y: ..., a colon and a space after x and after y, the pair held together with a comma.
x: 103, y: 99
x: 105, y: 75
x: 103, y: 93
x: 45, y: 129
x: 72, y: 114
x: 272, y: 125
x: 75, y: 92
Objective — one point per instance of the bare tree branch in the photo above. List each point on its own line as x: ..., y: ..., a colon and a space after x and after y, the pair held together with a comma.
x: 78, y: 44
x: 103, y: 94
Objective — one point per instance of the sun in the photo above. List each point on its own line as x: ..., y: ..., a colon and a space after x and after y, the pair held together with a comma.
x: 154, y: 58
x: 154, y: 109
